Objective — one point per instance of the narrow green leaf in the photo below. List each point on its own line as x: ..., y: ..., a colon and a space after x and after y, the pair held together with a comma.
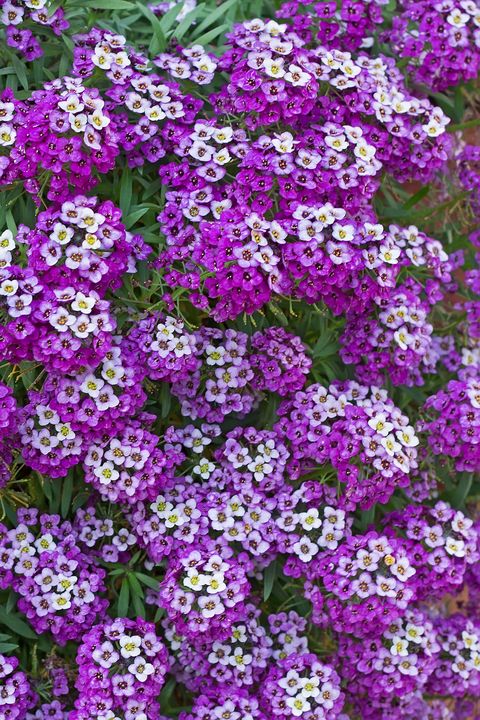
x: 136, y: 588
x: 126, y: 190
x: 108, y: 4
x: 212, y: 34
x: 67, y: 492
x: 168, y: 20
x: 124, y: 599
x: 269, y: 578
x: 147, y: 580
x: 17, y: 625
x: 212, y: 17
x: 7, y: 647
x: 158, y: 43
x: 20, y: 71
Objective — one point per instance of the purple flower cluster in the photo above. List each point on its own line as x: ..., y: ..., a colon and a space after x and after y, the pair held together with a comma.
x: 356, y: 429
x: 368, y: 580
x: 15, y: 13
x: 440, y: 40
x: 205, y: 589
x: 452, y: 421
x: 16, y: 696
x: 8, y: 428
x: 302, y: 686
x: 444, y: 544
x: 60, y: 587
x: 122, y: 665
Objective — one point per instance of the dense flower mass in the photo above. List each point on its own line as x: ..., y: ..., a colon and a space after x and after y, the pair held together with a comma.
x: 239, y: 360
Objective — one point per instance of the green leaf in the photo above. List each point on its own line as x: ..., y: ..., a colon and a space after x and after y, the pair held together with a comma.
x: 17, y: 625
x: 212, y: 17
x: 7, y: 647
x: 126, y: 191
x: 135, y: 586
x: 212, y: 34
x: 108, y: 4
x: 133, y: 217
x: 417, y: 197
x: 187, y: 22
x: 20, y: 72
x: 124, y: 599
x: 168, y: 20
x: 147, y: 580
x: 269, y: 577
x: 67, y: 492
x: 158, y: 43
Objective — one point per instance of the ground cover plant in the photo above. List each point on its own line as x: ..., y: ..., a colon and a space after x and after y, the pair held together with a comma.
x: 239, y: 360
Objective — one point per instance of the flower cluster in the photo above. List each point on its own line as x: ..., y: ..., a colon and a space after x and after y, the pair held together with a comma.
x: 60, y: 587
x: 394, y: 342
x: 357, y: 429
x: 122, y: 665
x: 126, y: 466
x: 16, y: 696
x: 221, y: 701
x: 60, y: 130
x: 220, y: 384
x: 440, y: 40
x: 167, y: 349
x: 8, y: 423
x: 240, y: 660
x: 452, y: 422
x: 205, y: 589
x: 300, y: 686
x: 15, y: 13
x: 458, y: 666
x: 445, y: 544
x: 368, y: 580
x: 401, y: 660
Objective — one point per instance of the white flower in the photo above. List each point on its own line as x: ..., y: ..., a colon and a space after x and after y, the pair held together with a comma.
x: 310, y: 520
x: 204, y: 468
x: 210, y: 606
x: 407, y: 436
x: 310, y: 686
x: 399, y: 646
x: 296, y: 76
x: 141, y: 669
x: 391, y: 445
x: 91, y: 385
x: 215, y: 584
x: 195, y: 580
x: 291, y: 682
x: 6, y: 241
x: 106, y: 473
x: 130, y: 645
x: 414, y: 633
x: 298, y: 705
x: 274, y: 67
x: 8, y: 287
x: 83, y: 303
x: 60, y: 601
x: 305, y: 549
x: 239, y: 659
x: 455, y: 547
x: 380, y: 424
